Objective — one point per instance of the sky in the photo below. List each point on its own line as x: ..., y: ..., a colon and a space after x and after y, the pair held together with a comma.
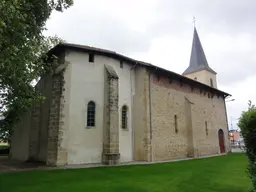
x: 160, y: 32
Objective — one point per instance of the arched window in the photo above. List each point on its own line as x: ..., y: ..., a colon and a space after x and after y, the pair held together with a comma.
x: 211, y: 82
x: 91, y: 114
x: 124, y: 117
x: 175, y: 124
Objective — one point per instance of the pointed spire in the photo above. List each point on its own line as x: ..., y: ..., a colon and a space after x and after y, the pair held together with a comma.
x: 197, y: 59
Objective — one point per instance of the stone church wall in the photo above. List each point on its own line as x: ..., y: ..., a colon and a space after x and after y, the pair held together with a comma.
x: 204, y: 77
x: 41, y: 135
x: 142, y: 143
x: 20, y: 139
x: 30, y: 137
x: 172, y: 98
x: 85, y: 144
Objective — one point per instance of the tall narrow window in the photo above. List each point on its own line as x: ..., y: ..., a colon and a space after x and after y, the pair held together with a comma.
x: 124, y: 117
x: 175, y: 123
x: 206, y: 128
x: 170, y: 80
x: 91, y: 114
x: 211, y: 82
x: 91, y: 58
x: 121, y: 64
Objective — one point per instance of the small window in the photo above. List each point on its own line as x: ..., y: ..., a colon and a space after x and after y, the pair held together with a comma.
x: 124, y: 117
x: 211, y: 82
x: 170, y: 80
x: 209, y: 95
x: 206, y: 128
x: 91, y: 114
x: 121, y: 64
x: 91, y: 58
x: 175, y: 123
x: 195, y: 78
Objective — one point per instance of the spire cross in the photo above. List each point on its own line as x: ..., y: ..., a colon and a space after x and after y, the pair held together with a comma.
x: 194, y: 21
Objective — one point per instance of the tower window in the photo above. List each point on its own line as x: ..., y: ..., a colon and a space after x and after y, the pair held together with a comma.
x: 91, y: 114
x: 175, y: 124
x: 124, y: 117
x: 91, y: 58
x: 211, y: 82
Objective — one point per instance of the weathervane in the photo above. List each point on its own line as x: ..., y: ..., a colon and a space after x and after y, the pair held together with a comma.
x: 194, y: 21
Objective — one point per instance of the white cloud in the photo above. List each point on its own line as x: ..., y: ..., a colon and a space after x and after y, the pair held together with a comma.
x: 160, y: 32
x: 242, y: 92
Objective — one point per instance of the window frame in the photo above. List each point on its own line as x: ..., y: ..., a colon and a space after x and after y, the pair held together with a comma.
x: 206, y: 128
x: 121, y: 64
x: 91, y: 58
x: 91, y: 114
x: 176, y: 124
x: 211, y: 82
x: 124, y: 117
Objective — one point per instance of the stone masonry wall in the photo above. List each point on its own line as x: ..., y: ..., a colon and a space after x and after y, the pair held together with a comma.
x: 38, y: 127
x: 142, y: 143
x: 111, y: 153
x: 170, y: 98
x: 34, y: 132
x: 57, y: 150
x: 57, y: 154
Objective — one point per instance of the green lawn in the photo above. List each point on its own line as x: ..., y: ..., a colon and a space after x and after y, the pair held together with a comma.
x: 220, y: 174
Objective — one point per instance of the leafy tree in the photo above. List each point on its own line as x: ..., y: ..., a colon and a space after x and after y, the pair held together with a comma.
x: 247, y: 123
x: 23, y: 53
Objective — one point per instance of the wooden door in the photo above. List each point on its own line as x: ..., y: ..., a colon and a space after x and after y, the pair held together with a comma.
x: 221, y: 141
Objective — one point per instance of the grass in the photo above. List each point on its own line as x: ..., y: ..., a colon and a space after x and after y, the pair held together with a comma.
x: 220, y: 174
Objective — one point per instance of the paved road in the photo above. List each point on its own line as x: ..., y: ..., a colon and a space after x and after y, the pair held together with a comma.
x: 237, y: 150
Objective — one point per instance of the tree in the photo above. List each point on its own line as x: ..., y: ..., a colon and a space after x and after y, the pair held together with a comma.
x: 247, y: 124
x: 23, y: 51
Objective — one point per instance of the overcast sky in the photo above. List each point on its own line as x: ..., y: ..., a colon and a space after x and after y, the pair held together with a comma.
x: 160, y: 32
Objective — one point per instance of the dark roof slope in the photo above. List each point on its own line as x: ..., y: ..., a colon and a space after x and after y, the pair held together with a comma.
x: 112, y: 54
x: 198, y: 59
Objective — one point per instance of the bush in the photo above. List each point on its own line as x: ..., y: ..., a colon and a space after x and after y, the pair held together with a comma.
x: 247, y: 123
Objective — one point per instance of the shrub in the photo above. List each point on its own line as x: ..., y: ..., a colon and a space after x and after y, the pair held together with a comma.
x: 247, y: 124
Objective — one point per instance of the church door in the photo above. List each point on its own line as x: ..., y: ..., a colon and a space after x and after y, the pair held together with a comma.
x: 221, y: 141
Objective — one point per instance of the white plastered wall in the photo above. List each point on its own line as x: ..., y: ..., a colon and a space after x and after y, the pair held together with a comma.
x: 87, y: 84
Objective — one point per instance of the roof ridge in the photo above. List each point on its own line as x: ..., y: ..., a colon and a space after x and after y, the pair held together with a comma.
x: 123, y: 57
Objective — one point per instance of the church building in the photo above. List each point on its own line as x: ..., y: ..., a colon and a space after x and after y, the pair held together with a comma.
x: 103, y: 107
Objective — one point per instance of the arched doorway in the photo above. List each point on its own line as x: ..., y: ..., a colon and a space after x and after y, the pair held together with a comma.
x: 221, y: 141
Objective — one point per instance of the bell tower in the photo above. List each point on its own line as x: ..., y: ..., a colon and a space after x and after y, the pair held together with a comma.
x: 198, y: 68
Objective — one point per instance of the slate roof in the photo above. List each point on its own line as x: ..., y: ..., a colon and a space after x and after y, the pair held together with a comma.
x: 83, y: 48
x: 198, y: 59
